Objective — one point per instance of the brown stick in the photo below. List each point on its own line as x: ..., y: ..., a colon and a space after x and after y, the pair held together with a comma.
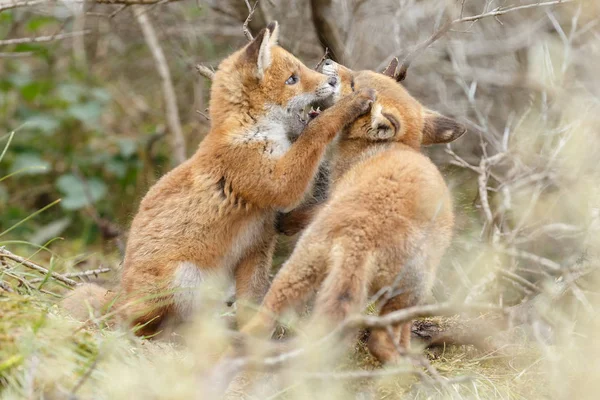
x: 43, y: 39
x: 177, y: 138
x: 248, y: 19
x: 205, y: 72
x: 7, y: 254
x: 419, y: 48
x: 89, y: 272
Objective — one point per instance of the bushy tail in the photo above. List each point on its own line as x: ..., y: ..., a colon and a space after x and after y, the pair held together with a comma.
x: 88, y: 300
x: 345, y: 289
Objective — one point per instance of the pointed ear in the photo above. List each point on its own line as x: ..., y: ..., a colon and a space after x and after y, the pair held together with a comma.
x: 259, y: 50
x: 273, y: 28
x: 391, y: 68
x: 440, y: 129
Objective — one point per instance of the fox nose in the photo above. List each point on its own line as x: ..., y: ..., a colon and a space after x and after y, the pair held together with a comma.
x: 328, y: 62
x: 333, y: 81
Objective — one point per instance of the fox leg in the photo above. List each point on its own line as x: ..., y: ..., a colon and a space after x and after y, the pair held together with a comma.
x: 145, y: 311
x: 252, y: 280
x: 382, y: 342
x: 298, y: 277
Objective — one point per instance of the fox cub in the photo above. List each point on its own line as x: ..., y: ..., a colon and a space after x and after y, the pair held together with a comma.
x: 386, y: 224
x: 214, y: 215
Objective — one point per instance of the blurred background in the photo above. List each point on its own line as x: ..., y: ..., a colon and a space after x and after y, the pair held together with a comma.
x: 99, y: 98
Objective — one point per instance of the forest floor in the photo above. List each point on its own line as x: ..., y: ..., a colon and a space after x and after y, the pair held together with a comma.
x: 46, y: 354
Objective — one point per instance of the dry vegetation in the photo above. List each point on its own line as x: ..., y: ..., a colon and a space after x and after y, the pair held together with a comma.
x: 99, y: 98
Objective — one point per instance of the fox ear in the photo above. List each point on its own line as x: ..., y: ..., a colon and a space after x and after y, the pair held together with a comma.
x: 391, y: 68
x: 273, y: 28
x: 259, y: 50
x: 440, y: 129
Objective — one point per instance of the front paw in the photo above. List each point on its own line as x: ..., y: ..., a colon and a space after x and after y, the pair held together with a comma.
x: 363, y: 99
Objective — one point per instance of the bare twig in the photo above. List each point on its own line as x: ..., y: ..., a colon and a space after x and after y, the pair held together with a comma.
x: 248, y: 19
x: 545, y: 262
x: 203, y: 115
x: 7, y: 254
x: 177, y: 139
x: 90, y: 272
x: 43, y: 39
x: 520, y: 280
x: 8, y: 5
x: 24, y: 3
x: 6, y: 287
x: 16, y: 54
x: 366, y: 321
x: 419, y: 48
x: 205, y: 72
x: 322, y: 60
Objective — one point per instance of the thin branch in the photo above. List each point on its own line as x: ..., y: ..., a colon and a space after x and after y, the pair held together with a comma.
x: 16, y: 54
x: 419, y: 48
x: 205, y: 72
x: 89, y: 272
x: 551, y: 265
x: 178, y: 140
x: 6, y: 287
x: 248, y: 19
x: 43, y: 39
x: 363, y: 321
x: 25, y: 3
x: 322, y: 60
x: 7, y: 254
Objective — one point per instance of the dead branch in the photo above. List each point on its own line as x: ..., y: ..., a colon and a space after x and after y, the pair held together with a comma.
x: 363, y: 321
x: 323, y: 58
x: 6, y: 287
x: 89, y: 272
x: 27, y: 3
x: 545, y: 262
x: 7, y: 254
x: 205, y: 72
x: 24, y: 3
x: 419, y: 48
x: 178, y: 140
x: 43, y: 39
x: 206, y: 117
x: 248, y: 19
x: 16, y: 54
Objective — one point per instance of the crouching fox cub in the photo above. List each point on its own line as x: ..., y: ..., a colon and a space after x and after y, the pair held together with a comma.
x: 387, y: 222
x: 215, y: 213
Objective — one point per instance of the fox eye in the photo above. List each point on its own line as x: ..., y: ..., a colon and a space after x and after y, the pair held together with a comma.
x: 292, y: 80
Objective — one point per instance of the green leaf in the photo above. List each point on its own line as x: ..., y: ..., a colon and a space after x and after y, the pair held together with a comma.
x: 29, y: 164
x: 102, y: 95
x: 88, y: 113
x: 37, y: 22
x: 47, y: 124
x: 116, y: 167
x: 79, y: 192
x: 34, y: 89
x: 70, y: 93
x: 127, y: 147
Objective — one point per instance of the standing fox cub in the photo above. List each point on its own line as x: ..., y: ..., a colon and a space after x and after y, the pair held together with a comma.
x: 387, y: 222
x: 214, y: 215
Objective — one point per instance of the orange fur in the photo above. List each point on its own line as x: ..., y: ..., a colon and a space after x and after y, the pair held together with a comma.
x: 214, y: 214
x: 387, y: 222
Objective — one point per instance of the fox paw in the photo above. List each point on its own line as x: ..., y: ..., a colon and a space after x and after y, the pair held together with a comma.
x: 363, y: 99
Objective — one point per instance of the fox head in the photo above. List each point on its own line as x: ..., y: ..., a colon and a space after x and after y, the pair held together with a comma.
x: 395, y: 114
x: 264, y: 82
